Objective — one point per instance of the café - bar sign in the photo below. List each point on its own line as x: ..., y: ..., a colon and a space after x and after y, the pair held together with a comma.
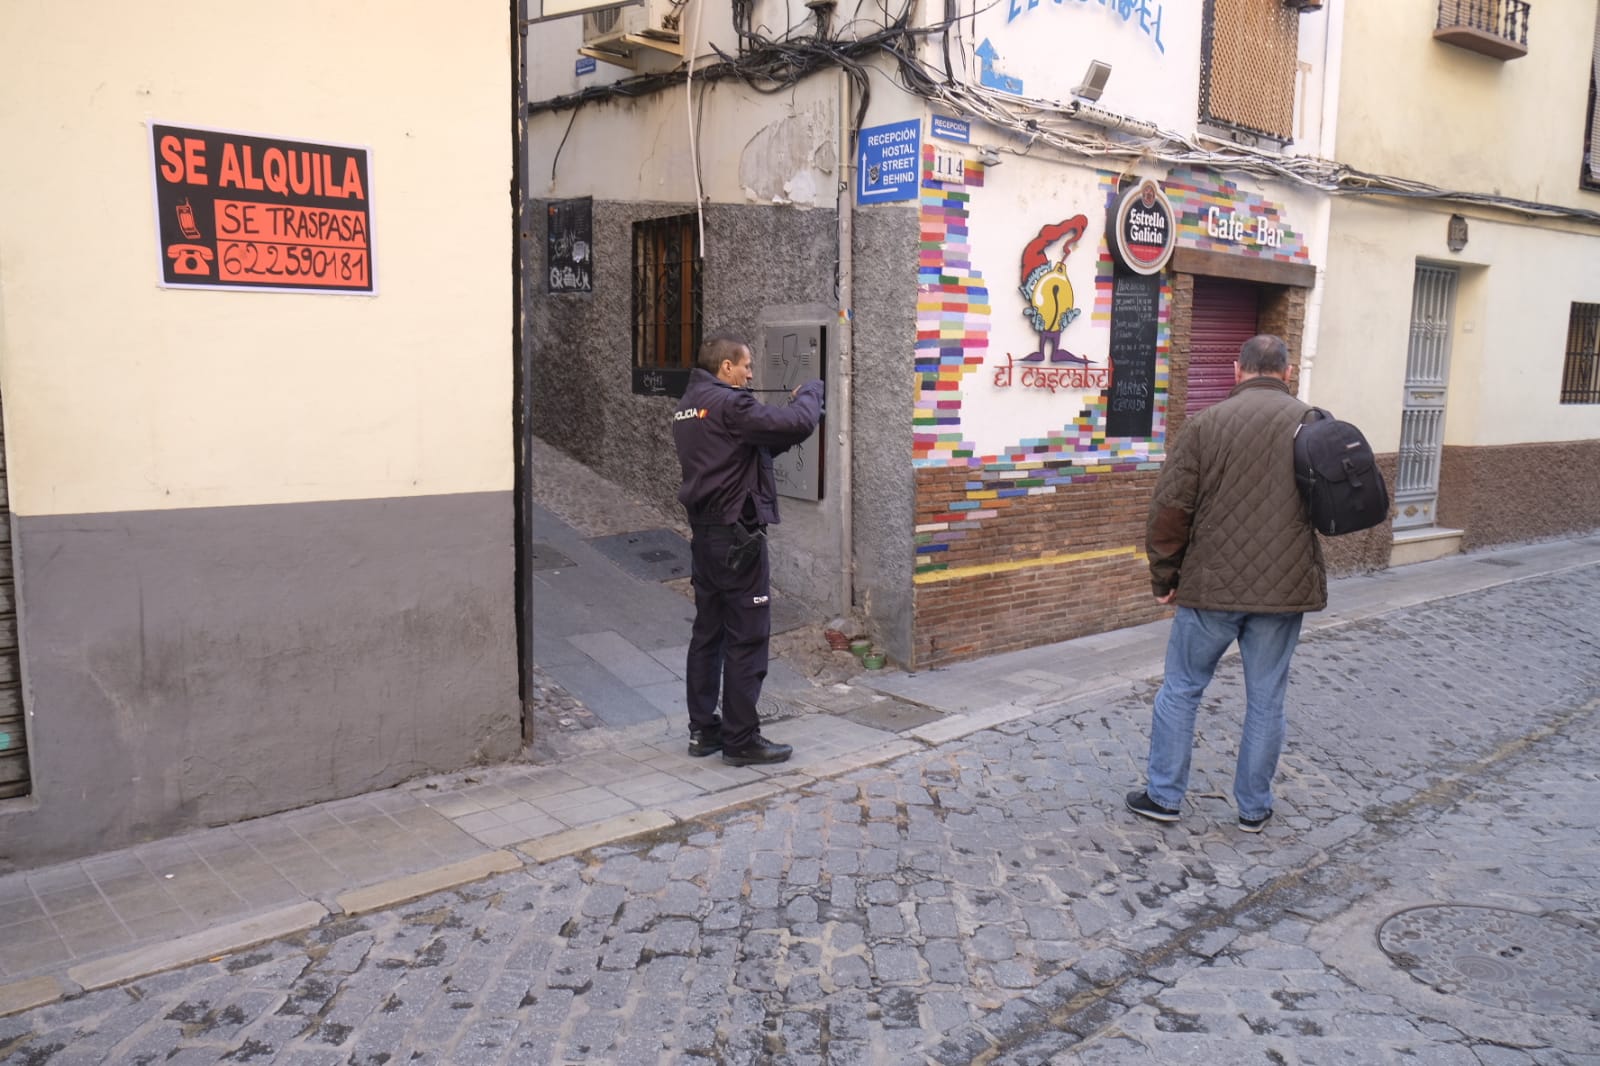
x: 1143, y: 228
x: 244, y: 211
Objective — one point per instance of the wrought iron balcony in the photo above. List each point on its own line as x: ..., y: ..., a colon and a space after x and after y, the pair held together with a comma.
x: 1495, y: 28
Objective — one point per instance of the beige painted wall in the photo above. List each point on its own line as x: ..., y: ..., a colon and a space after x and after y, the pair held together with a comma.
x: 1418, y: 108
x: 751, y: 148
x: 1517, y: 285
x: 120, y: 395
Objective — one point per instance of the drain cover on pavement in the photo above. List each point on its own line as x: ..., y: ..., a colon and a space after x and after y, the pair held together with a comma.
x: 893, y: 715
x: 776, y: 708
x: 1538, y: 963
x: 650, y: 554
x: 544, y: 557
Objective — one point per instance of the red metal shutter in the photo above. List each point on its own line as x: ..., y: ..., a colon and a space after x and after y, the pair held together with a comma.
x: 1224, y: 317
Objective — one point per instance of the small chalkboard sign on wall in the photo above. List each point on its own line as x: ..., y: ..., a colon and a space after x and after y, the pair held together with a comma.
x: 569, y: 245
x: 1135, y: 310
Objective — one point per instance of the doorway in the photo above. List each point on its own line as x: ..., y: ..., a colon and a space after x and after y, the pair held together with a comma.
x: 1226, y: 313
x: 1433, y: 299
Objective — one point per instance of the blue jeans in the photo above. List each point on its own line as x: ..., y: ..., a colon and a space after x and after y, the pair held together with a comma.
x: 1266, y: 644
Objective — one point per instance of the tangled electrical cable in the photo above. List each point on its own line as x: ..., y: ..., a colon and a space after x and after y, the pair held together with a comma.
x: 765, y: 65
x: 769, y: 66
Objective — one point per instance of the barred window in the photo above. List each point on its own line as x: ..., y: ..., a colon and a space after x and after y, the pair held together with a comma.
x: 666, y: 301
x: 1248, y: 62
x: 1590, y: 178
x: 1580, y: 378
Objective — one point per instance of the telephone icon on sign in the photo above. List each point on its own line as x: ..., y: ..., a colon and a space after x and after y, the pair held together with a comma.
x: 190, y: 259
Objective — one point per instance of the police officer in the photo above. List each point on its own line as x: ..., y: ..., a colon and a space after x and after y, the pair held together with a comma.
x: 726, y: 439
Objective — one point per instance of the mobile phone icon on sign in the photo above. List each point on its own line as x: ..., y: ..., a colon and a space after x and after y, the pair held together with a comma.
x: 186, y: 220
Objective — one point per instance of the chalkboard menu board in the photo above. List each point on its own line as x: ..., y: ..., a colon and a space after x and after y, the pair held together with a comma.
x: 569, y: 245
x: 1131, y: 400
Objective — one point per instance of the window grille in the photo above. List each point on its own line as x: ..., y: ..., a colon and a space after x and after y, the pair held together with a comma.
x: 666, y: 293
x: 1248, y: 65
x: 1591, y: 126
x: 1580, y: 378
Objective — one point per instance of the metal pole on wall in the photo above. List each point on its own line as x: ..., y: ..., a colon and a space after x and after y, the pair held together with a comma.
x: 846, y: 301
x: 521, y: 378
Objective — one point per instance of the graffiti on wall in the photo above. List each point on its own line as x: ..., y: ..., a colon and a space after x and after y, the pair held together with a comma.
x: 990, y: 74
x: 1050, y: 306
x: 957, y: 330
x: 1144, y: 16
x: 1069, y: 442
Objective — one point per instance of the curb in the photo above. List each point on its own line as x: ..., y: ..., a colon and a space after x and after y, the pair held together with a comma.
x: 197, y: 947
x: 405, y: 889
x: 26, y: 995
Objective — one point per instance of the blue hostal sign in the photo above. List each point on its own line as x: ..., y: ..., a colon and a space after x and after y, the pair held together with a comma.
x: 891, y: 162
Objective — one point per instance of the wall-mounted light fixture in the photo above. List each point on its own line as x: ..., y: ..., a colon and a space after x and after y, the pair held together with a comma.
x: 1094, y: 81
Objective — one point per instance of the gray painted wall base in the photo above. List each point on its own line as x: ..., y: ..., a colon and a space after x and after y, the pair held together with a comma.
x: 201, y: 666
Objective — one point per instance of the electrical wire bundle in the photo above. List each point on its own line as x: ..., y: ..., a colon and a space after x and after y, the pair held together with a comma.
x: 767, y: 65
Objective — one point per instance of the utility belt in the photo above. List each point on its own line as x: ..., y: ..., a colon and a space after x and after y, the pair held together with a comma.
x: 745, y: 542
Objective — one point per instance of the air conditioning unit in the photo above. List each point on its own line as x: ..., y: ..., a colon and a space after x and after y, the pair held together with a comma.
x: 614, y: 34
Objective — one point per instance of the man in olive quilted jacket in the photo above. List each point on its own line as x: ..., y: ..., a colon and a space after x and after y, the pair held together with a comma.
x: 1230, y: 545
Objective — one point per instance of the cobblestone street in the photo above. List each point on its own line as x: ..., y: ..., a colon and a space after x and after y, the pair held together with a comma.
x: 1426, y: 893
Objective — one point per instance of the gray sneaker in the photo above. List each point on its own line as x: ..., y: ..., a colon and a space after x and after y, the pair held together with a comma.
x: 1141, y: 804
x: 1254, y: 825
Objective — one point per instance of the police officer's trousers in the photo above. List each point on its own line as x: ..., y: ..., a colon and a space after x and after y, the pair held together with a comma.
x: 732, y: 623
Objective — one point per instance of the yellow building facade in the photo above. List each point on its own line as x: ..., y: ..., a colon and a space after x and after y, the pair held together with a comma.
x: 1461, y: 298
x: 257, y: 429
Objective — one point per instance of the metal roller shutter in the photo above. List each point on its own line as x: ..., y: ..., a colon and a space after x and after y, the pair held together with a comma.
x: 13, y: 737
x: 1224, y: 317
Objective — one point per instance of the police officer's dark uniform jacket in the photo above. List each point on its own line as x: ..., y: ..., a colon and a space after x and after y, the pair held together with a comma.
x: 726, y: 439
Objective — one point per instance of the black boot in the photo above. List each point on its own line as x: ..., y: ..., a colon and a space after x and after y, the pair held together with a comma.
x: 704, y: 742
x: 759, y: 751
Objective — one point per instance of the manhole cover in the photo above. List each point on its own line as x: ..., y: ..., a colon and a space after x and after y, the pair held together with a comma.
x: 776, y: 708
x: 1501, y: 562
x: 544, y: 557
x: 893, y: 715
x: 1539, y: 963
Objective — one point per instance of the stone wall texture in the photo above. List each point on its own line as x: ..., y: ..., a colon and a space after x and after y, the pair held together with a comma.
x: 1520, y: 492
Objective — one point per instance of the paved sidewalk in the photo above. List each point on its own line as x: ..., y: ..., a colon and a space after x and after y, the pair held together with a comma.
x: 115, y: 917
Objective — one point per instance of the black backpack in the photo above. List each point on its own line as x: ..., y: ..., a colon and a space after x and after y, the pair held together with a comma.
x: 1333, y: 464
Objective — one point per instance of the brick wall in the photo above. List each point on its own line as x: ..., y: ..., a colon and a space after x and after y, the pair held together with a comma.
x: 1002, y: 596
x: 999, y: 592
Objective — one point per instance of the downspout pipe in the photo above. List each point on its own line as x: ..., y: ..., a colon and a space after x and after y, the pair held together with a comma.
x: 844, y: 393
x: 1327, y: 148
